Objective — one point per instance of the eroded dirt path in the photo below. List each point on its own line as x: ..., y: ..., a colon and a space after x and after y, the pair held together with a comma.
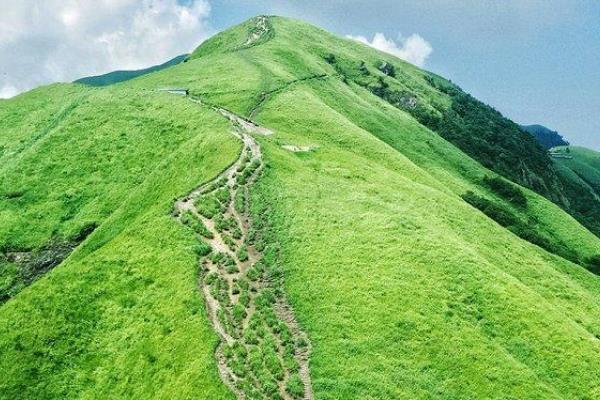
x: 263, y: 353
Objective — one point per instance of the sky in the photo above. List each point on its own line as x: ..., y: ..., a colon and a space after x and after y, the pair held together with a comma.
x: 536, y: 61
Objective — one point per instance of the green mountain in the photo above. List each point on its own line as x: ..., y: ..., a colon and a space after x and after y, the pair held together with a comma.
x: 317, y: 219
x: 545, y: 136
x: 585, y: 163
x: 122, y: 76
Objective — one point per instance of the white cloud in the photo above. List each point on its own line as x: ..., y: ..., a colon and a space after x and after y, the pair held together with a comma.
x: 62, y: 40
x: 8, y: 91
x: 413, y: 49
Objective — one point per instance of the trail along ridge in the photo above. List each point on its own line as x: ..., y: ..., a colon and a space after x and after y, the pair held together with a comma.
x: 263, y: 353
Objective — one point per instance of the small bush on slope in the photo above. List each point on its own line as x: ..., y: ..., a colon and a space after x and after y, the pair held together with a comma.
x: 196, y: 224
x: 506, y: 190
x: 208, y: 206
x: 500, y: 214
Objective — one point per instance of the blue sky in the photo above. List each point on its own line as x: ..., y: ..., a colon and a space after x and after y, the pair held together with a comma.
x: 536, y: 61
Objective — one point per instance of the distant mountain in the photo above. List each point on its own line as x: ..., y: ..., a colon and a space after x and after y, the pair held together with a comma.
x: 122, y: 76
x: 547, y: 137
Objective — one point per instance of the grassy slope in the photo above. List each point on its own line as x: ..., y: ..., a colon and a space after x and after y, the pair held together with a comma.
x: 399, y: 301
x: 121, y: 317
x: 585, y: 163
x: 461, y: 308
x: 405, y: 290
x: 406, y: 303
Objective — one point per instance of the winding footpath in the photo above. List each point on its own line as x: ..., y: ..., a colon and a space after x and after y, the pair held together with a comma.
x: 263, y: 353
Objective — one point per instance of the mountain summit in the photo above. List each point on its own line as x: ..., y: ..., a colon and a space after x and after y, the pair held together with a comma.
x: 300, y: 216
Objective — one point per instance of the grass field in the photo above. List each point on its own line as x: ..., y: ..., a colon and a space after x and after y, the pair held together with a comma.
x: 585, y: 163
x: 402, y: 303
x: 404, y: 289
x: 121, y: 317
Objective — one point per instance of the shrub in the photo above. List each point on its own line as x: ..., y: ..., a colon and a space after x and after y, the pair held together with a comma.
x: 270, y: 388
x: 210, y: 278
x: 208, y: 206
x: 253, y: 274
x: 228, y: 260
x: 532, y: 236
x: 239, y: 313
x: 506, y: 190
x: 244, y: 299
x: 294, y: 386
x: 232, y: 269
x: 242, y: 178
x: 222, y: 224
x: 243, y: 284
x: 594, y: 264
x: 190, y: 220
x: 217, y: 184
x: 242, y: 253
x: 250, y: 337
x: 238, y: 368
x: 202, y: 249
x: 291, y: 364
x: 223, y: 195
x: 85, y: 231
x: 228, y: 351
x: 500, y: 214
x: 387, y: 69
x: 240, y: 202
x: 330, y: 58
x: 302, y: 343
x: 217, y: 257
x: 254, y: 359
x: 240, y: 351
x: 228, y: 241
x: 271, y: 360
x: 254, y: 165
x: 230, y: 223
x: 362, y: 68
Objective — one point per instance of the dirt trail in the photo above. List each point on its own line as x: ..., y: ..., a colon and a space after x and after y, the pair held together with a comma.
x: 263, y: 353
x: 265, y: 96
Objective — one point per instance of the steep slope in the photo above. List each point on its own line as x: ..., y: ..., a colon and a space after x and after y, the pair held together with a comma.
x: 404, y: 289
x: 122, y: 76
x: 583, y: 162
x: 546, y: 137
x: 581, y: 167
x: 121, y: 316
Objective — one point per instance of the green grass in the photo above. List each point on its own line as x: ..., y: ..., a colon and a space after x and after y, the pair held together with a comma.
x: 585, y: 163
x: 121, y: 318
x: 581, y: 175
x: 404, y: 289
x: 405, y: 303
